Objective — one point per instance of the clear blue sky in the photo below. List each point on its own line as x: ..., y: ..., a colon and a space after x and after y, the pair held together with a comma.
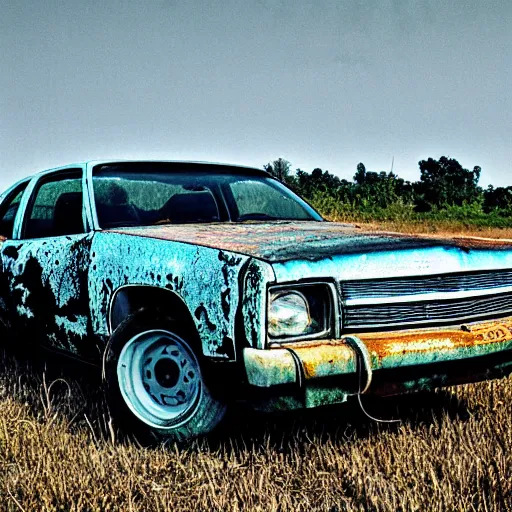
x: 321, y: 83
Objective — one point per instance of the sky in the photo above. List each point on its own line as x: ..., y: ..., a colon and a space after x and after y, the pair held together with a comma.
x: 320, y: 83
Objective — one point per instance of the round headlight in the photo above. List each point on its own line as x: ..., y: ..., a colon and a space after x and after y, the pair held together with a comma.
x: 288, y: 315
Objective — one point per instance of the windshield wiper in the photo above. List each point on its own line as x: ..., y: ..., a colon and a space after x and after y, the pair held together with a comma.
x: 256, y: 216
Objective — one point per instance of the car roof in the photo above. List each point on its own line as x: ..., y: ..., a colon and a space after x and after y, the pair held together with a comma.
x: 178, y: 162
x: 190, y: 164
x: 180, y: 165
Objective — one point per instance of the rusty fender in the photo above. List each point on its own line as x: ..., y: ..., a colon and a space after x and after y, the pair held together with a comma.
x: 387, y: 351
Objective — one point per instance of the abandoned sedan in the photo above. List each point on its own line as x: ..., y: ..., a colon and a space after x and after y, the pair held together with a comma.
x: 192, y: 285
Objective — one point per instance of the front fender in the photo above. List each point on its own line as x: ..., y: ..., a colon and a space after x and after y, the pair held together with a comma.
x: 206, y: 279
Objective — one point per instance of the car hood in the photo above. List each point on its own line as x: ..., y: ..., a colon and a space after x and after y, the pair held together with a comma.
x: 280, y: 241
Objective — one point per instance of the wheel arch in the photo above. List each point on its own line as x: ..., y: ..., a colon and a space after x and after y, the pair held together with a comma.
x: 128, y: 299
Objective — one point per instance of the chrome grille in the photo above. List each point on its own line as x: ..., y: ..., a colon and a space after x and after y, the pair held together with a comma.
x: 375, y: 288
x: 394, y: 304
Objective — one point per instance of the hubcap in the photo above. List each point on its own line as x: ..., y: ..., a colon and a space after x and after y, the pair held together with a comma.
x: 159, y: 378
x: 167, y: 372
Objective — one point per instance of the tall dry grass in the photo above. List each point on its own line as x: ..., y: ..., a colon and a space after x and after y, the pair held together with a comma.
x: 60, y: 451
x: 437, y: 229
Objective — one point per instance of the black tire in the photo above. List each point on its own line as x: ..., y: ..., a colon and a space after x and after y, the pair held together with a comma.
x: 141, y: 343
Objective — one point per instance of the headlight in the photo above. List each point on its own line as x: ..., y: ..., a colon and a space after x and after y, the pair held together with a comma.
x: 301, y: 311
x: 288, y: 315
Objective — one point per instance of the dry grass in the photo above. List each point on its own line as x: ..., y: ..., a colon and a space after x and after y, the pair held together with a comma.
x: 436, y: 228
x: 452, y: 451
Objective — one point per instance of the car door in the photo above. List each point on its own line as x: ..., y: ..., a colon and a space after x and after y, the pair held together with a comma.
x: 47, y: 267
x: 9, y: 207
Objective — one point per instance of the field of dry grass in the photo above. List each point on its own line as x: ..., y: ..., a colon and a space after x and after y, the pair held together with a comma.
x: 437, y: 229
x: 59, y: 450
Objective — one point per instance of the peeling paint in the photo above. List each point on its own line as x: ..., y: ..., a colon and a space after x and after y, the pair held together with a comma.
x: 79, y: 324
x: 254, y: 302
x: 200, y: 276
x: 281, y: 241
x: 48, y: 282
x: 201, y: 315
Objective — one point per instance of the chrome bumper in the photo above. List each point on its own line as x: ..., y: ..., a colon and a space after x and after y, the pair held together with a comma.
x: 314, y: 361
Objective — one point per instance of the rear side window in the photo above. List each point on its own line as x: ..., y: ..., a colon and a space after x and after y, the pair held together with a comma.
x: 9, y: 210
x: 56, y: 209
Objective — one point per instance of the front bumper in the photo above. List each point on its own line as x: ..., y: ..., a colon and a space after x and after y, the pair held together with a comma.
x: 398, y: 362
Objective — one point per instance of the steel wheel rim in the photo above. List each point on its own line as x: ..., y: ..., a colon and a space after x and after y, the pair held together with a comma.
x: 159, y: 378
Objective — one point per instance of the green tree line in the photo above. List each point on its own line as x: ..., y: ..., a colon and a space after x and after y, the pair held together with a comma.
x: 445, y: 190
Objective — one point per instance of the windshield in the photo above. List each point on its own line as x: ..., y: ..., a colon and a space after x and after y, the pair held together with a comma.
x: 138, y: 197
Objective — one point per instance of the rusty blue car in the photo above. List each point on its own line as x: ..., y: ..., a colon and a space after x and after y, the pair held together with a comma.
x: 190, y: 286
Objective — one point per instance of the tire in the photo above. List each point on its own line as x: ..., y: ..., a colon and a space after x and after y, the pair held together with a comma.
x: 153, y: 380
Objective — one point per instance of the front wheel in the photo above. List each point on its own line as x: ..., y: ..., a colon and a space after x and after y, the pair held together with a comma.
x: 154, y: 381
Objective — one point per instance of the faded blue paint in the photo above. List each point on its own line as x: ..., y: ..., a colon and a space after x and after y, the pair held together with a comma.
x: 403, y: 263
x: 78, y: 325
x: 198, y: 275
x: 46, y: 279
x: 254, y: 303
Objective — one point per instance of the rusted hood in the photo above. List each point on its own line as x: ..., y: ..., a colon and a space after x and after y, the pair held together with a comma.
x: 313, y: 241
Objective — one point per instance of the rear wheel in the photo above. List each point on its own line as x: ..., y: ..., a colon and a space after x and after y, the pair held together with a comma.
x: 154, y: 380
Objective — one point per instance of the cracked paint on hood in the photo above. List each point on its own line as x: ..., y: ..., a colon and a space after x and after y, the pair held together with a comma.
x: 284, y: 241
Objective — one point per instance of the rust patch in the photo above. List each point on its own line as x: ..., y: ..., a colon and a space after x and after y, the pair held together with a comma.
x: 297, y: 345
x: 498, y: 332
x: 311, y: 365
x: 483, y: 243
x: 282, y: 241
x: 405, y: 360
x: 334, y: 357
x: 329, y: 358
x: 396, y: 343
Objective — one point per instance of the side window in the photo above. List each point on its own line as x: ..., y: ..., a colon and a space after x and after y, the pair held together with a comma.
x: 9, y: 210
x: 57, y: 208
